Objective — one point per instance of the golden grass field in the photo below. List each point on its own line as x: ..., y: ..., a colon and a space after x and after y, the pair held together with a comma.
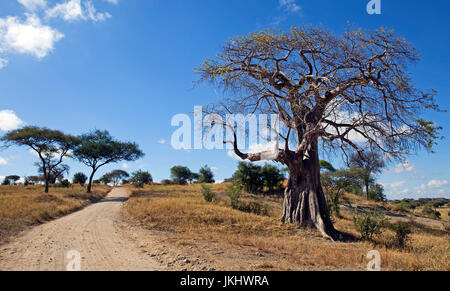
x: 182, y: 214
x: 25, y: 206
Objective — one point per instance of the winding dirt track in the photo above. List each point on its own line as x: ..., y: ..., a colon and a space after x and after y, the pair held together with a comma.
x: 92, y: 232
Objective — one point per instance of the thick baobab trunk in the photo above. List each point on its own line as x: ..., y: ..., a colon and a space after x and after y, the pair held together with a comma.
x: 304, y: 200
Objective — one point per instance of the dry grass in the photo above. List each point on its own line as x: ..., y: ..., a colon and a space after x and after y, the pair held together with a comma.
x: 182, y: 212
x: 25, y: 206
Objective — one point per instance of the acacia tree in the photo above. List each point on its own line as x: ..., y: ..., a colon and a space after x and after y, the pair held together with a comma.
x: 371, y: 163
x: 99, y: 148
x: 56, y: 173
x: 118, y: 175
x: 52, y: 146
x: 335, y: 92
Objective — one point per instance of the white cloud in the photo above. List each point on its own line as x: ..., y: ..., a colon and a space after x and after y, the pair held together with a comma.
x: 33, y: 5
x: 214, y: 169
x: 405, y: 167
x: 404, y: 192
x: 9, y: 120
x: 395, y: 185
x: 162, y: 141
x: 437, y: 184
x: 290, y: 5
x: 74, y: 10
x: 115, y: 2
x: 3, y: 161
x: 125, y: 166
x: 27, y: 37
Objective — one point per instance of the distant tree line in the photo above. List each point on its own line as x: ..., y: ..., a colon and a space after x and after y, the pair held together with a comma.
x: 94, y: 149
x: 181, y: 175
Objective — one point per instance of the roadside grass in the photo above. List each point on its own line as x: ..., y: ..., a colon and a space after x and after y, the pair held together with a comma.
x: 182, y: 212
x: 25, y: 206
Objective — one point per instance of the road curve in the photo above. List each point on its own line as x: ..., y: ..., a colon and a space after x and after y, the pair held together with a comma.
x: 91, y: 232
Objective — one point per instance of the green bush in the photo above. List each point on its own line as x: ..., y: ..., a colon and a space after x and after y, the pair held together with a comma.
x: 402, y: 231
x: 255, y: 207
x: 63, y: 184
x: 429, y: 211
x: 369, y: 225
x: 208, y: 194
x: 234, y: 193
x: 166, y: 182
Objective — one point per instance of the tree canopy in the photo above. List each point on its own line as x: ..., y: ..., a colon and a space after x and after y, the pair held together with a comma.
x: 99, y: 148
x: 348, y: 92
x: 52, y: 146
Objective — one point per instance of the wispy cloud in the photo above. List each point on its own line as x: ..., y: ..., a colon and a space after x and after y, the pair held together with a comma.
x: 75, y: 10
x: 290, y: 6
x: 162, y: 141
x: 405, y: 167
x: 433, y: 184
x: 33, y: 5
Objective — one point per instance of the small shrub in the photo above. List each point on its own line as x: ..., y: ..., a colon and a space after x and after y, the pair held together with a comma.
x: 430, y: 212
x: 63, y: 184
x: 234, y: 193
x: 369, y: 225
x: 255, y: 207
x: 402, y: 231
x: 166, y: 182
x: 208, y: 194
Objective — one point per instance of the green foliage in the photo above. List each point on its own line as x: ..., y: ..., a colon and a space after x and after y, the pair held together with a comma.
x: 180, y: 175
x: 429, y: 211
x: 140, y: 178
x: 369, y: 225
x: 106, y: 179
x: 254, y: 178
x: 51, y: 146
x: 6, y: 182
x: 206, y: 175
x: 234, y: 193
x: 12, y: 179
x: 166, y: 182
x: 402, y: 232
x: 99, y: 148
x: 252, y: 206
x: 118, y: 175
x: 80, y: 178
x: 64, y: 183
x: 376, y: 193
x: 208, y: 194
x: 326, y: 166
x: 272, y: 177
x: 249, y: 176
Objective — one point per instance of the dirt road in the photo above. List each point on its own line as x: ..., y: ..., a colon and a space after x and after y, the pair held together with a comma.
x: 92, y: 232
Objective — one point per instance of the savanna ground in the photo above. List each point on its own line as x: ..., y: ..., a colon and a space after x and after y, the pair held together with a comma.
x: 22, y: 207
x: 179, y: 228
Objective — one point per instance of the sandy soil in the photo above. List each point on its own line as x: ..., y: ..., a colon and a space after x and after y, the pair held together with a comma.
x: 94, y: 232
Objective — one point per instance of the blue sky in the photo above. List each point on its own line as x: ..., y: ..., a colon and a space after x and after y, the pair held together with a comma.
x: 128, y: 66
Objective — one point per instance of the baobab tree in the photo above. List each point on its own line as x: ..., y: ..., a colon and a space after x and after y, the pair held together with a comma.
x: 349, y: 92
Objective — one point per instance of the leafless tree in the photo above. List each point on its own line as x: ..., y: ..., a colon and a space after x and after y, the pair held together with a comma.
x: 349, y: 92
